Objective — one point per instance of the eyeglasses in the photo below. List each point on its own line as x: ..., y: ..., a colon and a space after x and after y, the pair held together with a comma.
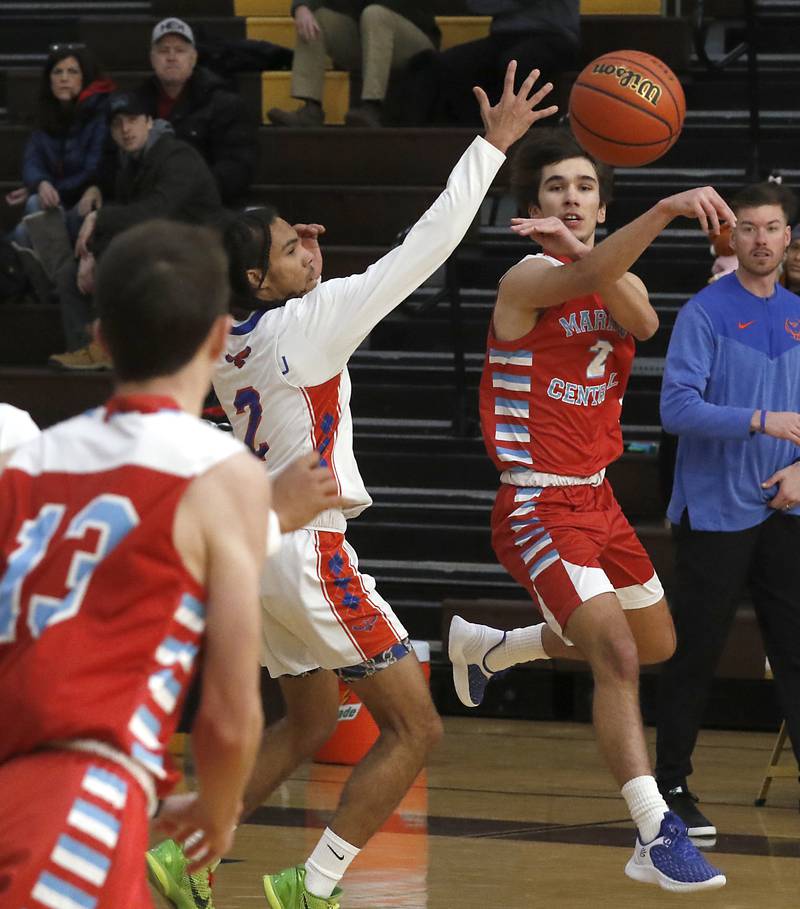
x: 57, y: 48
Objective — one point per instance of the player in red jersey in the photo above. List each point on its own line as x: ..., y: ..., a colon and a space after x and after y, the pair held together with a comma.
x: 130, y: 537
x: 560, y: 349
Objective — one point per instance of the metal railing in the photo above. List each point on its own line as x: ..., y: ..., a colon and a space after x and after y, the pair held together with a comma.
x: 748, y: 47
x: 450, y: 291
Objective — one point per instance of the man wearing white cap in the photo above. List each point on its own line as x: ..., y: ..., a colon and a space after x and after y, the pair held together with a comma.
x: 201, y: 109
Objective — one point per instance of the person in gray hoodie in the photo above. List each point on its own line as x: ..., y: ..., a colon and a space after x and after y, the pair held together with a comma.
x: 157, y: 176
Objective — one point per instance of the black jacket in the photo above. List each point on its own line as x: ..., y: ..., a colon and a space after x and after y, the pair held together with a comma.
x: 169, y: 180
x: 216, y: 122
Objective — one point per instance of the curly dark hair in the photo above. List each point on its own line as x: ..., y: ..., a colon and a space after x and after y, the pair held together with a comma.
x: 545, y: 146
x: 54, y: 117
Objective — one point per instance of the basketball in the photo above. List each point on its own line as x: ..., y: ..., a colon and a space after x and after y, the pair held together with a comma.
x: 626, y: 108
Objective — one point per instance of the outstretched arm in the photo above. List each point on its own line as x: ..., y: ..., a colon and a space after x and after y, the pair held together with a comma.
x: 626, y: 299
x: 533, y: 284
x: 335, y: 317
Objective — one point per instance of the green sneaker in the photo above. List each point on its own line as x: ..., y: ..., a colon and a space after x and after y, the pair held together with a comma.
x: 286, y: 890
x: 166, y: 868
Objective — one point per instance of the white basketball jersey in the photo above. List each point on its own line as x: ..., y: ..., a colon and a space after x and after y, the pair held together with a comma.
x: 283, y: 380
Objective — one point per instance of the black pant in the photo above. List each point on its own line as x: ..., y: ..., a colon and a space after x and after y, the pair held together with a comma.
x: 712, y: 568
x: 436, y: 88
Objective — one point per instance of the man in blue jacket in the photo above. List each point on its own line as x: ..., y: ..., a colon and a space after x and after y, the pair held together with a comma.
x: 731, y: 392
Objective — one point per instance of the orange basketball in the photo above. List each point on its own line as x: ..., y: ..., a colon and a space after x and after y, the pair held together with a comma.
x: 627, y: 108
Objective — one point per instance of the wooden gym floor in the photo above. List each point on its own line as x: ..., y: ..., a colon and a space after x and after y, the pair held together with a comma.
x: 522, y: 814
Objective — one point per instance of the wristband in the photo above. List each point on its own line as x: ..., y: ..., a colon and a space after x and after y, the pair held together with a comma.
x: 763, y: 422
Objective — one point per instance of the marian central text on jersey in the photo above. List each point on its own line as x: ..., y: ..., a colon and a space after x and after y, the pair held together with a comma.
x: 590, y: 320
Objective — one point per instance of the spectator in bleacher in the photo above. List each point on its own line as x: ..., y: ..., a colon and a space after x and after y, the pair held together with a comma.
x: 361, y: 36
x: 791, y: 264
x: 731, y: 393
x: 62, y: 158
x: 158, y: 176
x: 202, y: 109
x: 437, y: 88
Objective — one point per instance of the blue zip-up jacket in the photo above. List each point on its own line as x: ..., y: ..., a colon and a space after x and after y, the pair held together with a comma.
x: 70, y: 162
x: 730, y: 353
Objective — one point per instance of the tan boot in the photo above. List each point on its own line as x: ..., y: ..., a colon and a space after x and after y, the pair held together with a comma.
x: 91, y: 357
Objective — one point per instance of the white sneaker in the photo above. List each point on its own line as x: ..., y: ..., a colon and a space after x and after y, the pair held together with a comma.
x: 672, y: 861
x: 468, y: 647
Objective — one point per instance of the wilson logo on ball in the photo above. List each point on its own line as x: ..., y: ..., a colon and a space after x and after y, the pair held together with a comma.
x: 626, y: 108
x: 628, y: 78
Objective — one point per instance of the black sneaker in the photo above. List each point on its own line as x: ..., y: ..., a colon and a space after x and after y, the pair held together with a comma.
x: 684, y: 804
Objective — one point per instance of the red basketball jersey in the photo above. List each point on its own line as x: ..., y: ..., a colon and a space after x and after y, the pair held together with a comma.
x: 100, y: 622
x: 550, y: 401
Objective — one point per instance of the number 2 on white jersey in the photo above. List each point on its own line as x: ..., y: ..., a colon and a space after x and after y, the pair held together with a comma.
x: 249, y: 399
x: 597, y: 367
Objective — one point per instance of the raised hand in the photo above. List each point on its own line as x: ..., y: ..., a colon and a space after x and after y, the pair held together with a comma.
x: 514, y: 113
x: 552, y: 234
x: 309, y: 239
x: 703, y: 203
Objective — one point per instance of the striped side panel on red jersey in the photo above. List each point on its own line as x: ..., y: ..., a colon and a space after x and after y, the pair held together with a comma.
x: 511, y: 387
x: 154, y: 719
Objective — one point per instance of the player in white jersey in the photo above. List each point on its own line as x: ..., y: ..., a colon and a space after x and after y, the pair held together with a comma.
x: 284, y: 385
x: 16, y: 427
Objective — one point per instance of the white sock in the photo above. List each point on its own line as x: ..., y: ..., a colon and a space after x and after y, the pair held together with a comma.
x: 646, y: 805
x: 522, y: 645
x: 327, y: 863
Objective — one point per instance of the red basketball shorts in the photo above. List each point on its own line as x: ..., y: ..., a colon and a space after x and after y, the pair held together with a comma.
x: 567, y: 544
x: 73, y: 834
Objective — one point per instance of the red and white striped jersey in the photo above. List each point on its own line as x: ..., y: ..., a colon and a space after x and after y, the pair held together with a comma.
x: 550, y: 402
x: 100, y: 622
x: 283, y: 380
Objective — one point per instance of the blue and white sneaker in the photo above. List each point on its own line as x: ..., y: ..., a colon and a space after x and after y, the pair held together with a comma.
x: 468, y: 647
x: 672, y: 861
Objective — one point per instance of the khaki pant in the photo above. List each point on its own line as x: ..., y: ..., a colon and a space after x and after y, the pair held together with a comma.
x: 380, y: 41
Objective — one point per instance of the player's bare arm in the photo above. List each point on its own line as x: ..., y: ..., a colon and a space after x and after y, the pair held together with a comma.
x: 220, y: 530
x: 626, y: 299
x: 610, y: 260
x: 629, y: 303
